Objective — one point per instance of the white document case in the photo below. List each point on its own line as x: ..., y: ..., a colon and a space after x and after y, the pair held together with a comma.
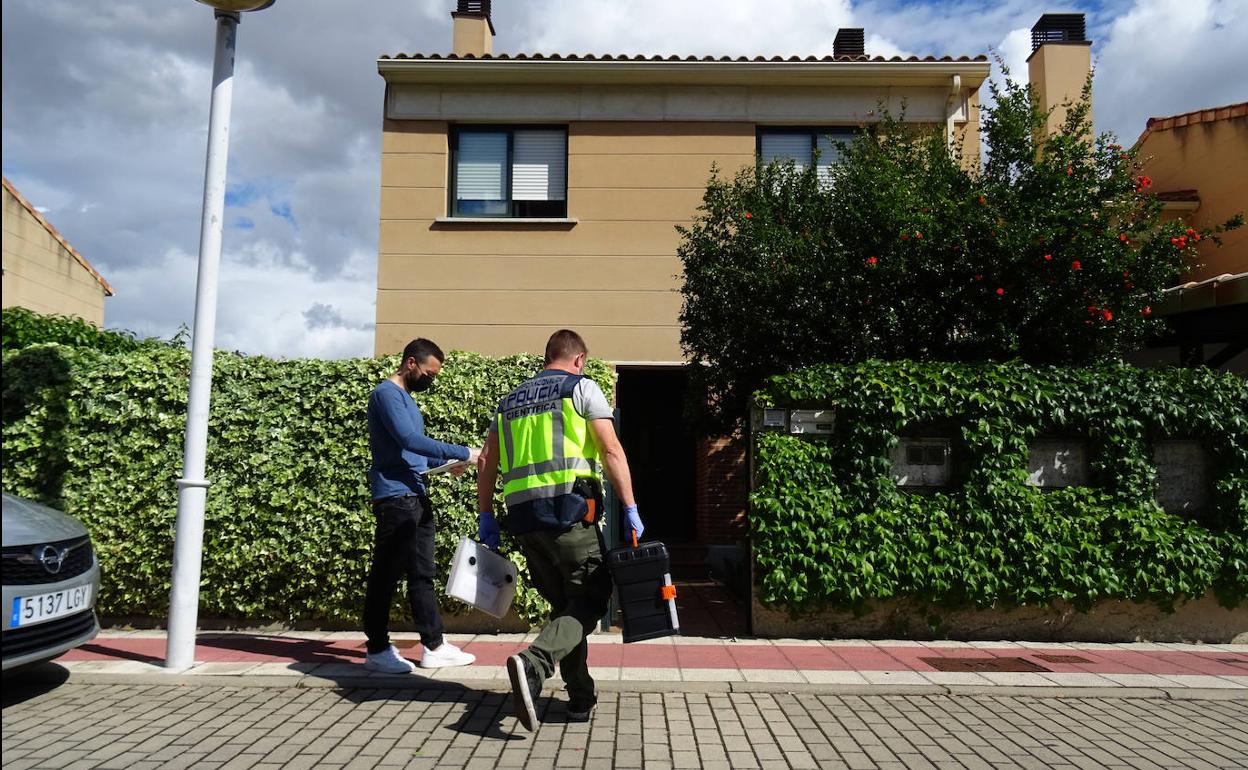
x: 482, y: 578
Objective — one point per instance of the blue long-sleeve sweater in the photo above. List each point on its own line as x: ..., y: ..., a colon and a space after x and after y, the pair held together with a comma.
x: 401, y: 450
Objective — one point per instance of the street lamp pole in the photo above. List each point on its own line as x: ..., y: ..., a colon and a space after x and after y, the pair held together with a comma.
x: 193, y: 486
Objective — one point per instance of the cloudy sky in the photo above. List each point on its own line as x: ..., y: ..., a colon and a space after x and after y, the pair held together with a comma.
x: 105, y: 108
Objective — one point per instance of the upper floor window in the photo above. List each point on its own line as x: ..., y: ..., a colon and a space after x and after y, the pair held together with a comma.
x: 800, y: 145
x: 509, y: 172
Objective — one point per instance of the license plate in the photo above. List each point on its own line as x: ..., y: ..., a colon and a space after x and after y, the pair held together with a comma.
x: 29, y: 610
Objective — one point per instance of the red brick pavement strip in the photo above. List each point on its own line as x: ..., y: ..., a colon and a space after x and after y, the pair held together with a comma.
x: 243, y: 648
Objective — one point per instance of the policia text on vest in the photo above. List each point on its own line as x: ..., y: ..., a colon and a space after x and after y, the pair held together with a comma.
x: 548, y: 452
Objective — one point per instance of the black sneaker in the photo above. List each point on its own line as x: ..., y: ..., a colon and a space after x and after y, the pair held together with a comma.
x: 524, y: 689
x: 580, y: 711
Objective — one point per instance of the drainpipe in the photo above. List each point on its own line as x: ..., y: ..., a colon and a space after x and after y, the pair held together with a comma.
x: 952, y: 103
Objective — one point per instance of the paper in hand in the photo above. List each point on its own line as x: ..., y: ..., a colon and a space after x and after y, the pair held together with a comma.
x: 452, y: 465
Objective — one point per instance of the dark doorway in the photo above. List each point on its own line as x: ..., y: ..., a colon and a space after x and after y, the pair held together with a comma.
x: 660, y: 448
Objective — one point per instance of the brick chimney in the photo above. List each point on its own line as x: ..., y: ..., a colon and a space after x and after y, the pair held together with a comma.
x: 850, y: 41
x: 474, y: 32
x: 1061, y: 58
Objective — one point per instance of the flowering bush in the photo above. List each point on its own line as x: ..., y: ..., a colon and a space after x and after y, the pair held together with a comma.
x: 1053, y: 252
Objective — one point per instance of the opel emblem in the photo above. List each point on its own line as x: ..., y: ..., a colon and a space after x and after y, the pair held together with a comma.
x: 52, y: 558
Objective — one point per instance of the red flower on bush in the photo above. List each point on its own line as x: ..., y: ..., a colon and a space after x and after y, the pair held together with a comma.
x: 1190, y: 231
x: 1146, y: 311
x: 982, y: 200
x: 1122, y: 237
x: 1048, y: 257
x: 1000, y: 291
x: 1070, y: 170
x: 748, y: 215
x: 1107, y: 315
x: 1076, y: 265
x: 918, y: 235
x: 1143, y: 184
x: 871, y: 261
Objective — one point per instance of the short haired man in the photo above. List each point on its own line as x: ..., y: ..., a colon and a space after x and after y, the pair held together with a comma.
x: 546, y: 438
x: 404, y: 542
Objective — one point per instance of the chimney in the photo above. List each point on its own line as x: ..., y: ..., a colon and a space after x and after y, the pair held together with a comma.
x: 1061, y: 58
x: 474, y: 32
x: 850, y: 41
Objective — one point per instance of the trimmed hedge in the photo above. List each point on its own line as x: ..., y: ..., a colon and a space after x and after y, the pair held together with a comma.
x: 288, y: 523
x: 830, y: 527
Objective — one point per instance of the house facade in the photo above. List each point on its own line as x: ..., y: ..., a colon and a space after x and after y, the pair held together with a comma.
x: 525, y: 193
x: 42, y: 272
x: 1198, y: 163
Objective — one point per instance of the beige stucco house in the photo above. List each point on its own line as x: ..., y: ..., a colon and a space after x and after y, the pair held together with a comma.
x: 521, y: 193
x: 42, y: 272
x: 1198, y: 162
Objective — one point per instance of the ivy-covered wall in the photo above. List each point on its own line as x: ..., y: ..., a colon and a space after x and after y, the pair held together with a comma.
x: 288, y: 522
x: 831, y: 528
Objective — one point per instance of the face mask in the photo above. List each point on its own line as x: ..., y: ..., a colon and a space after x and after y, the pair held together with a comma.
x: 419, y: 384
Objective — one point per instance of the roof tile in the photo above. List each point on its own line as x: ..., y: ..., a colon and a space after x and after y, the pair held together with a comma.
x: 677, y: 58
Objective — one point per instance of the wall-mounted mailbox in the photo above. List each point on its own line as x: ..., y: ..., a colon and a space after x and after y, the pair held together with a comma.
x: 775, y: 418
x: 812, y: 421
x: 921, y: 462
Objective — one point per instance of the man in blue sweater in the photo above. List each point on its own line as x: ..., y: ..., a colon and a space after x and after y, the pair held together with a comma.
x: 403, y: 546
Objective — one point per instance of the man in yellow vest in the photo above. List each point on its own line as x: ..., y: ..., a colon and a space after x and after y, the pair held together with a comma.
x: 545, y: 440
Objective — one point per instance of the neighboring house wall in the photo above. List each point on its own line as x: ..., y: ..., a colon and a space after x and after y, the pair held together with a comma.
x: 42, y: 272
x: 1210, y: 157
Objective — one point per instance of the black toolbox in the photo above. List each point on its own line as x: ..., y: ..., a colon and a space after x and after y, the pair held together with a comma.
x: 643, y: 584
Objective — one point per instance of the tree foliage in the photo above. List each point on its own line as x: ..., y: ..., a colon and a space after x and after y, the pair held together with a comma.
x: 1053, y: 252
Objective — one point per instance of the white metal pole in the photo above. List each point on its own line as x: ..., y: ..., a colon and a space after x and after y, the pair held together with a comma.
x: 193, y: 486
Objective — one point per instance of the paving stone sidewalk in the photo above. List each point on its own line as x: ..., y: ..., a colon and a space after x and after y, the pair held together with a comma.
x: 81, y: 726
x: 328, y: 659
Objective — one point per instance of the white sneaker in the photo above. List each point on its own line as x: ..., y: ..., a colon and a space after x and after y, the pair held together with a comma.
x: 446, y: 655
x: 388, y: 662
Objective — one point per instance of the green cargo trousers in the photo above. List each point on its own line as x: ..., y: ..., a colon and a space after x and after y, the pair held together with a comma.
x: 569, y: 570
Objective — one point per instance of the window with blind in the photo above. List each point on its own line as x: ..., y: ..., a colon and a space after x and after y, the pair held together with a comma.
x: 509, y: 171
x: 800, y: 145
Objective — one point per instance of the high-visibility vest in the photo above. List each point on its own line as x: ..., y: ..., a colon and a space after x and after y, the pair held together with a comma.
x: 544, y: 447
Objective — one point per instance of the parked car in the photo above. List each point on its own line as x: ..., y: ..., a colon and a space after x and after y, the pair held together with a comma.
x: 51, y: 580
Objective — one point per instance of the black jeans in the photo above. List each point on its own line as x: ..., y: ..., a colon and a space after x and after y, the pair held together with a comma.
x: 402, y: 548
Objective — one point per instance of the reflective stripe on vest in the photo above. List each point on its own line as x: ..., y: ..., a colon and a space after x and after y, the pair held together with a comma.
x: 546, y: 446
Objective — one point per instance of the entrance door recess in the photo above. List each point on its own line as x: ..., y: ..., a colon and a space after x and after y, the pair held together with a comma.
x: 660, y: 448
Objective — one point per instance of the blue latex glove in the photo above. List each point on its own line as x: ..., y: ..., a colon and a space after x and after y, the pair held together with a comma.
x: 634, y: 521
x: 487, y: 530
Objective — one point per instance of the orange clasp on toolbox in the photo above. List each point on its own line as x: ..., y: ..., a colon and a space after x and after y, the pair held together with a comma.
x: 668, y: 592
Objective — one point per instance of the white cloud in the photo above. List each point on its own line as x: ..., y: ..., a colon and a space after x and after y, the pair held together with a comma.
x: 685, y: 27
x: 1165, y: 57
x: 262, y: 302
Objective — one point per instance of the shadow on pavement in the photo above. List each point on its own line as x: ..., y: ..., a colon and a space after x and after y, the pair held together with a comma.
x: 113, y: 652
x: 283, y: 647
x: 484, y: 716
x: 30, y: 682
